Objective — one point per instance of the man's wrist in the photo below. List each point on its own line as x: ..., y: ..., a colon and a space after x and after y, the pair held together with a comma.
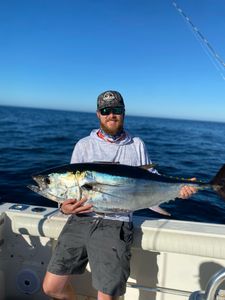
x: 60, y: 209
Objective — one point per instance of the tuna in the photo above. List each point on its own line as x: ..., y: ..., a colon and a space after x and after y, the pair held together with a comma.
x: 113, y: 188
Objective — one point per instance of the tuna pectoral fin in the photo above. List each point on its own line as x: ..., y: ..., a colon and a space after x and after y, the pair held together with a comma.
x: 218, y: 182
x: 159, y: 210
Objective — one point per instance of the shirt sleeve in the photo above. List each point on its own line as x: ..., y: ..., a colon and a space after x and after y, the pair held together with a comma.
x: 77, y: 154
x: 145, y: 158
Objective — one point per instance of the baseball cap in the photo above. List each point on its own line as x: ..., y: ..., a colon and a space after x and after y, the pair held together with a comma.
x: 110, y: 99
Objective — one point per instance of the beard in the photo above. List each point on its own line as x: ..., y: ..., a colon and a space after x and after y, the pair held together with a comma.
x: 112, y: 128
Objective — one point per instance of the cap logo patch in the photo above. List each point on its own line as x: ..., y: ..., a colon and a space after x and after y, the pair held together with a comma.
x: 108, y: 96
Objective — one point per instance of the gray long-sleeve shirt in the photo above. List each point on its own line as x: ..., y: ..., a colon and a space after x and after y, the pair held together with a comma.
x: 129, y: 151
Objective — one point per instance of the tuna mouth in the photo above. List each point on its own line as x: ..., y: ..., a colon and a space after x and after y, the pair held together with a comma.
x: 42, y: 193
x: 42, y: 181
x: 34, y: 188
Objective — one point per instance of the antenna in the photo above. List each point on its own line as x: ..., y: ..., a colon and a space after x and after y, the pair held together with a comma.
x: 207, y: 47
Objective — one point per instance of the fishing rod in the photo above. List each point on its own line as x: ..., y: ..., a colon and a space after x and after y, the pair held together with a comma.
x: 207, y: 47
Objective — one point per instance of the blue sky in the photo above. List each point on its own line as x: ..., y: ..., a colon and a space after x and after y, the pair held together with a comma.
x: 62, y: 54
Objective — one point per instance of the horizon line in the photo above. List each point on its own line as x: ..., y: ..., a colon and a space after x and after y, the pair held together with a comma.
x: 128, y: 115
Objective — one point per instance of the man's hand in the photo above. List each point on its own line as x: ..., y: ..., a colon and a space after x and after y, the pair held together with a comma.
x: 187, y: 190
x: 73, y: 206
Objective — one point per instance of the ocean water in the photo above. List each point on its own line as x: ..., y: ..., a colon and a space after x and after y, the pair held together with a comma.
x: 37, y: 139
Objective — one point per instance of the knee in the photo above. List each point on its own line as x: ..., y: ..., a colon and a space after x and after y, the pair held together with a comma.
x: 48, y: 289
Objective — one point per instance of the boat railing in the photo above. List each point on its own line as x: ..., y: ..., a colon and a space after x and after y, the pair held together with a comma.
x: 159, y: 289
x: 212, y: 291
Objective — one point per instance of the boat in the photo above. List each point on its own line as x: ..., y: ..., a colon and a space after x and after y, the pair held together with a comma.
x: 171, y: 259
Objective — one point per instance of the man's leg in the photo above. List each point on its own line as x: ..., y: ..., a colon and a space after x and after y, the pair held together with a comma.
x: 109, y: 256
x: 58, y: 287
x: 69, y: 257
x: 102, y: 296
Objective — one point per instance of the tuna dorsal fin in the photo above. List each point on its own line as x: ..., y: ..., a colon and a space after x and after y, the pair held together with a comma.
x: 148, y: 166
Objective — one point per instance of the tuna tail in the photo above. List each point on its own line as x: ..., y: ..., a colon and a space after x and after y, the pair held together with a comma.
x: 218, y: 182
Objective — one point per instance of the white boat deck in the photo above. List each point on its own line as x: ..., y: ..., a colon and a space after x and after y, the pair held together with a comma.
x: 170, y: 259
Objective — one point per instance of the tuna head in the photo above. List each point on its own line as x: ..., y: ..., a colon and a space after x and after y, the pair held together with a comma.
x: 57, y: 187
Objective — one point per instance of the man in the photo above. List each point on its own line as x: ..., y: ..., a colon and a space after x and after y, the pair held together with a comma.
x: 103, y: 240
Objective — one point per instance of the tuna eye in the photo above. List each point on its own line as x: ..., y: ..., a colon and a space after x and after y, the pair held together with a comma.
x: 88, y: 187
x: 47, y: 180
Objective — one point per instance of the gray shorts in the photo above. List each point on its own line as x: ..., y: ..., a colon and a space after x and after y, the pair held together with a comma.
x: 104, y: 243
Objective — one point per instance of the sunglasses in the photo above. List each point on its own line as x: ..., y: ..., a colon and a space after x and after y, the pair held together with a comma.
x: 114, y: 110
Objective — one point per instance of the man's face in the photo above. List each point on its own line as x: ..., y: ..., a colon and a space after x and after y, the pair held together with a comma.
x: 111, y: 123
